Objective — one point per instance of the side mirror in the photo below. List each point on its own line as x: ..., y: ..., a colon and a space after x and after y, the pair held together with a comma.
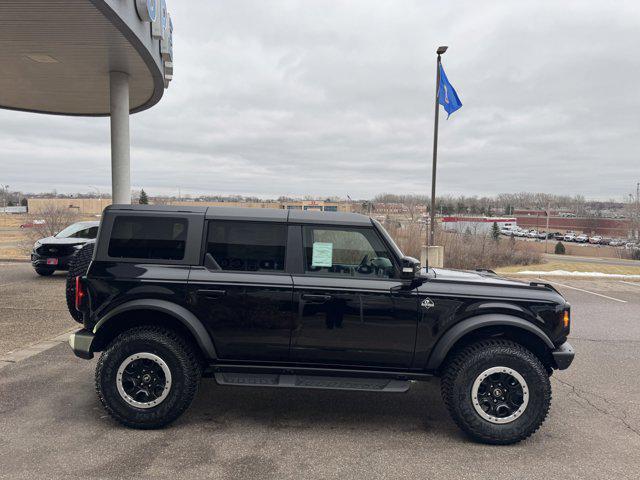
x: 409, y: 274
x: 410, y: 269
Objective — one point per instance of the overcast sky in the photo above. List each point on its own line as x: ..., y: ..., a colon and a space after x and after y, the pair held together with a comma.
x: 327, y: 98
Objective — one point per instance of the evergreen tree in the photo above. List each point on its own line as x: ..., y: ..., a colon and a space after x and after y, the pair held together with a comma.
x: 144, y: 200
x: 495, y: 231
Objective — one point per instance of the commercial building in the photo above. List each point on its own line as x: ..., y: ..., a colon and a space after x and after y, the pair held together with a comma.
x: 94, y: 206
x: 475, y: 225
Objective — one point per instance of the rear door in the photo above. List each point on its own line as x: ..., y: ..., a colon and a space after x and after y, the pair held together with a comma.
x: 242, y: 293
x: 349, y: 310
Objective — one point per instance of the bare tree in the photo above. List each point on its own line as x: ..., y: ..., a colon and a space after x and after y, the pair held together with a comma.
x: 55, y: 219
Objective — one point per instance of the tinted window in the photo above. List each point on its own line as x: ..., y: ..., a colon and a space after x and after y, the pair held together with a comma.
x: 357, y: 252
x: 91, y: 232
x: 248, y: 247
x: 148, y: 237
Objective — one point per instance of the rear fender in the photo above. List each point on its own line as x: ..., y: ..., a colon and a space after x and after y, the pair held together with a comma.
x: 186, y: 318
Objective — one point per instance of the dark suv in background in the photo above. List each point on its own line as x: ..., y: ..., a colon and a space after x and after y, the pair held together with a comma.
x: 286, y: 298
x: 53, y: 253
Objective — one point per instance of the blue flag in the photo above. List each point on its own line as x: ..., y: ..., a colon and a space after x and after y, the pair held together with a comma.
x: 447, y: 96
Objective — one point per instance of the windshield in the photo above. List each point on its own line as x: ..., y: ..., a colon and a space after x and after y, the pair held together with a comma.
x: 388, y: 238
x: 77, y: 230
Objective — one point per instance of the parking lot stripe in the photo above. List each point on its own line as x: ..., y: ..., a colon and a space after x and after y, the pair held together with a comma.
x: 635, y: 284
x: 585, y: 291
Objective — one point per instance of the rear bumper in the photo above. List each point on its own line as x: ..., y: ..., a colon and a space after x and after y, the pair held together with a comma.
x: 81, y: 343
x: 563, y: 356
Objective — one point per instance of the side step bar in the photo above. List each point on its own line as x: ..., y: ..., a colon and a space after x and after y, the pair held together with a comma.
x: 312, y: 381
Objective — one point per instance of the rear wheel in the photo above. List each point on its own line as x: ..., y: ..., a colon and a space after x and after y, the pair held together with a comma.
x: 147, y: 377
x: 44, y: 272
x: 78, y: 266
x: 497, y: 391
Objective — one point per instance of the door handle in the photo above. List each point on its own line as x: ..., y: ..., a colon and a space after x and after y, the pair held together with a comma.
x: 211, y: 293
x: 315, y: 298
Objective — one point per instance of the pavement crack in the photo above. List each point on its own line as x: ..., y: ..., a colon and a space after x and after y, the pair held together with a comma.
x: 584, y: 395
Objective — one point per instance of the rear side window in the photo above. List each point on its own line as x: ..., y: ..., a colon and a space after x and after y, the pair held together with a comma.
x: 247, y: 247
x: 160, y: 238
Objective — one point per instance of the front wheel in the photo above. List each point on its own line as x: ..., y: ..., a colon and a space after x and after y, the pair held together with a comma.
x: 147, y: 377
x: 497, y: 391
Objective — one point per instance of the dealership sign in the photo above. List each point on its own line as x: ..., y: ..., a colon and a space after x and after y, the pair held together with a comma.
x: 155, y: 12
x: 147, y: 10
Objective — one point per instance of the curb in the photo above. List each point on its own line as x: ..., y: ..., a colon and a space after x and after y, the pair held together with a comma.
x: 16, y: 356
x: 15, y: 260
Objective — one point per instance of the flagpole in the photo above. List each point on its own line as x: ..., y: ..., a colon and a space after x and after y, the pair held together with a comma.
x: 432, y: 212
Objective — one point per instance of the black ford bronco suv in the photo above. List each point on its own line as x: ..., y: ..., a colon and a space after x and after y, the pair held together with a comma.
x: 286, y: 298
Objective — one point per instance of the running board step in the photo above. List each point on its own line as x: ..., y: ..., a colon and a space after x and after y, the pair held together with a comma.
x: 312, y: 381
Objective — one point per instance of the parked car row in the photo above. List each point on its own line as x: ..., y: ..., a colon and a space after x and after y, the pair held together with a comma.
x: 568, y: 237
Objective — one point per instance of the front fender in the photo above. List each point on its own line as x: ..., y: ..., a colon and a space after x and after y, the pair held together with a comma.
x: 181, y: 314
x: 459, y: 330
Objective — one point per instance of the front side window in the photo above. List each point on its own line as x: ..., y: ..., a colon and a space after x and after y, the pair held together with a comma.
x: 160, y: 238
x: 77, y: 230
x: 356, y: 252
x: 91, y: 233
x: 247, y: 246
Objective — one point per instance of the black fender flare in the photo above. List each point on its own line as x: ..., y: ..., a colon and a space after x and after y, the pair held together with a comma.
x: 455, y: 333
x: 184, y: 316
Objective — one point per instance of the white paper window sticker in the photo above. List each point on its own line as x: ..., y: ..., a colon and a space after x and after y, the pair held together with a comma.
x: 322, y: 254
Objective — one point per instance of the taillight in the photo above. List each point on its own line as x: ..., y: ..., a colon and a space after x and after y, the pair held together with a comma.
x: 80, y: 293
x: 566, y: 318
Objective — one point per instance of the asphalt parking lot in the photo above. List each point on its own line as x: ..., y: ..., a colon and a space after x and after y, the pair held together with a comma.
x: 52, y: 425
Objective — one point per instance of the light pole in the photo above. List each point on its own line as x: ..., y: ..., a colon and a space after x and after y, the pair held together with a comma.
x: 432, y: 212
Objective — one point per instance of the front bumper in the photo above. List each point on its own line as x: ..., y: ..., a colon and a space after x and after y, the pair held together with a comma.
x: 81, y: 343
x: 563, y: 356
x: 41, y: 261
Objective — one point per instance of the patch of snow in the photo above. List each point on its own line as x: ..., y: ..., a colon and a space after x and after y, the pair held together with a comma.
x: 565, y: 273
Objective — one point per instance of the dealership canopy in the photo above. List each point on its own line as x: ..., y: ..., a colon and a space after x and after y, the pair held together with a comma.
x: 90, y: 58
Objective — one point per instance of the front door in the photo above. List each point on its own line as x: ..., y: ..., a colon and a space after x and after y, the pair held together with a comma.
x: 244, y: 296
x: 349, y: 309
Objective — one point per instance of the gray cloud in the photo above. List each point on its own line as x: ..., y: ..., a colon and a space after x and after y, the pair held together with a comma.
x: 336, y: 98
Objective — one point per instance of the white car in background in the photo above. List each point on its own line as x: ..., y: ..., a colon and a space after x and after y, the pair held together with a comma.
x: 582, y: 238
x: 570, y: 237
x: 596, y: 239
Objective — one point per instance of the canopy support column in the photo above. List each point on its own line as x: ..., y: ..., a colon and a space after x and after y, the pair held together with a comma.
x: 120, y: 146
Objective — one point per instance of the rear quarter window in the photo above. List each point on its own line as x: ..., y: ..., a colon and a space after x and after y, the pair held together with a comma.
x: 161, y: 238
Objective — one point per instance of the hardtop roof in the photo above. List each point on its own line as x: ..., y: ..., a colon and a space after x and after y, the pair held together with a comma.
x: 256, y: 214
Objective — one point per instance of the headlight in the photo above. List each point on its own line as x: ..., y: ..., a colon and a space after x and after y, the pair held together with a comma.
x: 36, y: 245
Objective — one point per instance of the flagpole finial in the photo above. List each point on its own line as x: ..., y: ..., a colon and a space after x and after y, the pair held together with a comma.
x: 441, y: 50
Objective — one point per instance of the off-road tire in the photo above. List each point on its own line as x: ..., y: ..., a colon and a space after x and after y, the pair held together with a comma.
x: 78, y: 266
x: 44, y: 272
x: 174, y: 350
x: 462, y: 369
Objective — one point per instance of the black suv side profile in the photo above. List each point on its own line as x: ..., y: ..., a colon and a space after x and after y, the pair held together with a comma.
x: 301, y: 299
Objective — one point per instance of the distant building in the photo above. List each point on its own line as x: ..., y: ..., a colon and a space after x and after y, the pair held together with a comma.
x: 475, y: 225
x: 94, y: 206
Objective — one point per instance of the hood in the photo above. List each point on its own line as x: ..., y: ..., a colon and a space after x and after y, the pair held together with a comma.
x: 63, y: 241
x: 484, y: 277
